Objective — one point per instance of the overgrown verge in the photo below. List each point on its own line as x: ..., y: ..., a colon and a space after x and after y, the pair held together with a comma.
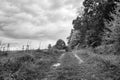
x: 95, y: 67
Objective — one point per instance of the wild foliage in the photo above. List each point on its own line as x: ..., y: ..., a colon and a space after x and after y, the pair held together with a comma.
x: 94, y: 67
x: 25, y: 67
x: 91, y: 25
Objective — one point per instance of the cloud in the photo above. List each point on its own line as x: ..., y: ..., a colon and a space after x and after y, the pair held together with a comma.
x: 48, y: 20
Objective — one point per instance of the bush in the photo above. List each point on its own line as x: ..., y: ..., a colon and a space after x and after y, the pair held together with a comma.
x: 25, y: 67
x: 3, y: 54
x: 105, y: 49
x: 94, y: 67
x: 25, y: 58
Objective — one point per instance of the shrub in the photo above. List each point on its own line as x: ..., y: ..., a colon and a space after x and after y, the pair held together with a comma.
x: 94, y: 67
x: 25, y: 58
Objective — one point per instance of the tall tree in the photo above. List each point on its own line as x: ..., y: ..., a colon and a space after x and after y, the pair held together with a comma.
x: 92, y: 23
x: 116, y: 31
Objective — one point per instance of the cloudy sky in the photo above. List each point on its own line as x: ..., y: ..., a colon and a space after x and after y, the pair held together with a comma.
x: 36, y: 21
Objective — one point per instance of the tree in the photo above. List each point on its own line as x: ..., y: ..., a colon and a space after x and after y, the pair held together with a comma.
x: 8, y: 46
x: 115, y: 35
x: 98, y: 12
x: 60, y: 44
x: 0, y: 45
x: 49, y: 46
x: 23, y: 47
x: 73, y: 39
x: 92, y: 23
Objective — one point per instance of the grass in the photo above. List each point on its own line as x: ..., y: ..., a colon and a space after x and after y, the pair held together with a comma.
x: 25, y: 65
x: 38, y: 66
x: 94, y: 67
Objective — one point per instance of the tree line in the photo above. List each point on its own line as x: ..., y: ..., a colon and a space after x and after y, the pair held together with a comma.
x: 99, y: 24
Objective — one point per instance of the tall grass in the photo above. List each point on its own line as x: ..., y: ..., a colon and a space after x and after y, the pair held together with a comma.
x: 94, y: 67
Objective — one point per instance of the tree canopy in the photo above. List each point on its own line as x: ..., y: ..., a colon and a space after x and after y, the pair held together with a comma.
x: 92, y: 23
x: 60, y: 44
